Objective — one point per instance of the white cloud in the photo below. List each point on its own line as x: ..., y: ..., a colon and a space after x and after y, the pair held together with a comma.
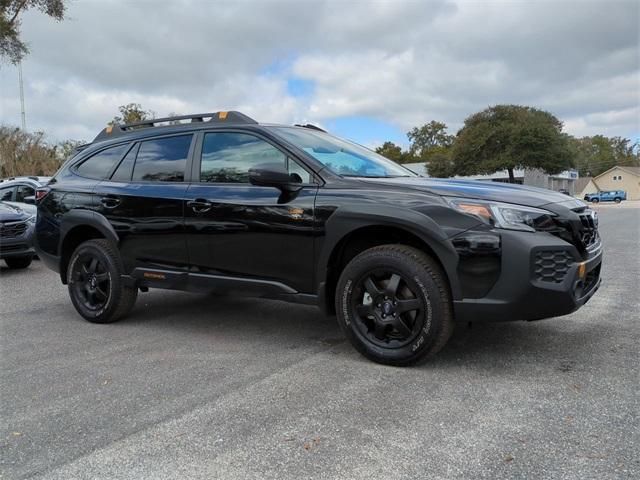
x: 400, y: 62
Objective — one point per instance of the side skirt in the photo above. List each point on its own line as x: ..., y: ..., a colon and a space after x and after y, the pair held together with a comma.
x: 206, y: 283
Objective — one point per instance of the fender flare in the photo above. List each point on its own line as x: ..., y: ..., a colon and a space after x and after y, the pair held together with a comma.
x: 345, y: 221
x: 86, y: 218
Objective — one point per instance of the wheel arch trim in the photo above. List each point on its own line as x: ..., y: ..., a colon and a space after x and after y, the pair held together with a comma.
x: 344, y: 223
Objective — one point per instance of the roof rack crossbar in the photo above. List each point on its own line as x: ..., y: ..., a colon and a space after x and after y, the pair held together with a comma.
x: 198, y: 117
x: 230, y: 117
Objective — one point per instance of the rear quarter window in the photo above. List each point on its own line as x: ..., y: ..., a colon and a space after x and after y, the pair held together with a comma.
x: 99, y: 165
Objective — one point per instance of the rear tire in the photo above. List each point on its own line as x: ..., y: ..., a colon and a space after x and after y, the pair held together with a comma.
x: 95, y: 284
x: 394, y: 306
x: 617, y: 200
x: 595, y: 200
x: 16, y: 263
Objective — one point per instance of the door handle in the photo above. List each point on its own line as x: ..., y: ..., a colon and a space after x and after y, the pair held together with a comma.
x: 199, y: 205
x: 110, y: 202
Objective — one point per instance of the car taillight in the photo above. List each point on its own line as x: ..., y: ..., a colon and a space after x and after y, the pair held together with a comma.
x: 41, y: 193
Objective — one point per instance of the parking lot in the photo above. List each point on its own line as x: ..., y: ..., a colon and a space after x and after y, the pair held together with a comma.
x: 193, y: 386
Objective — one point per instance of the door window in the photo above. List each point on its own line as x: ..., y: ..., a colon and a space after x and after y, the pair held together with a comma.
x: 99, y: 165
x: 227, y: 158
x: 6, y: 194
x: 162, y: 159
x: 24, y: 191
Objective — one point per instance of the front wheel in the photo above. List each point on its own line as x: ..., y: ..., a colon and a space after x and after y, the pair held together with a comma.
x: 95, y: 283
x: 595, y: 200
x: 394, y: 306
x: 16, y: 263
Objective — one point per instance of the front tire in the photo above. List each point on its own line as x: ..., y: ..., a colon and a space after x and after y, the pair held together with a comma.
x: 595, y: 200
x: 394, y: 306
x: 16, y: 263
x: 95, y: 284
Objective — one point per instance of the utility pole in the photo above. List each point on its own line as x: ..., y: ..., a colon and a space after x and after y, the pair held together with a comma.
x: 24, y: 119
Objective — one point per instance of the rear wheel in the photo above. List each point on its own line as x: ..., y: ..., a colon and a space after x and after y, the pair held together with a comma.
x: 95, y: 285
x: 617, y: 200
x: 18, y: 262
x: 393, y: 304
x: 595, y: 200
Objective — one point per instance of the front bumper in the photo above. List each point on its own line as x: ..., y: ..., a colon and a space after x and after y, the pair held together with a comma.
x: 540, y: 277
x: 18, y: 246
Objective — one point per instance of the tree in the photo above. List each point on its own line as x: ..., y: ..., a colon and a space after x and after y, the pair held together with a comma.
x: 23, y: 153
x: 430, y: 135
x: 506, y: 137
x: 12, y: 48
x: 439, y: 164
x: 65, y: 149
x: 394, y: 152
x: 597, y: 154
x: 132, y: 112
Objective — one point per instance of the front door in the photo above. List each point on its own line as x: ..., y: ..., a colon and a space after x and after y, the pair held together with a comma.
x: 242, y: 230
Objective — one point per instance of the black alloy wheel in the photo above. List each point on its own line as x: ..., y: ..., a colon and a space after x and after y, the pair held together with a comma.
x: 96, y: 288
x: 91, y: 281
x: 393, y: 304
x: 386, y: 308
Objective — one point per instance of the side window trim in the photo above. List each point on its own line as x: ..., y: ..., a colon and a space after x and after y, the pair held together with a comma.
x: 159, y: 137
x: 197, y: 157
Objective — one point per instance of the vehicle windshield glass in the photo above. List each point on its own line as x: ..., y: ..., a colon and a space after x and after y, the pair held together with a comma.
x: 342, y: 157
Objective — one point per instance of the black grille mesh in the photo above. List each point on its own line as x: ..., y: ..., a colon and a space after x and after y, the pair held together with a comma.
x: 551, y: 265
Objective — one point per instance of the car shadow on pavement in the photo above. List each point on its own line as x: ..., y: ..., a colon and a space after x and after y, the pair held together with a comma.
x: 255, y: 319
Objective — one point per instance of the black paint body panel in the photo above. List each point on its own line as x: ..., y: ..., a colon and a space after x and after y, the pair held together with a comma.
x: 260, y: 241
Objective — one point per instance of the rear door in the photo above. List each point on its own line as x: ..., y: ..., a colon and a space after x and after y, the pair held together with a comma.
x: 243, y: 230
x: 143, y: 200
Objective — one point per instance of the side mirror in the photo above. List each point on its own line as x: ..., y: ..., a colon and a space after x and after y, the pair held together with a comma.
x: 274, y: 175
x: 31, y: 200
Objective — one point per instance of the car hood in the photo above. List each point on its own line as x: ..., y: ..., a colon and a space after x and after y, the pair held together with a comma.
x: 10, y: 213
x: 478, y: 189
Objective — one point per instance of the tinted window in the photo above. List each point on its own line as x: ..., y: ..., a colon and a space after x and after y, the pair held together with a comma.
x: 99, y: 165
x: 24, y: 191
x: 227, y: 158
x: 163, y: 159
x: 6, y: 194
x: 125, y: 169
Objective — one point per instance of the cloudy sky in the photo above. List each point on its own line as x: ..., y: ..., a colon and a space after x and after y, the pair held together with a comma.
x: 366, y: 70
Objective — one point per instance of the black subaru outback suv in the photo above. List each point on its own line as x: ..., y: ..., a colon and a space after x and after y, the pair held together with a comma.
x: 225, y: 204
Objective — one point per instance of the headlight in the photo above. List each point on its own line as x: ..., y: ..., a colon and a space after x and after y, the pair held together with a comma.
x: 506, y: 215
x: 31, y: 219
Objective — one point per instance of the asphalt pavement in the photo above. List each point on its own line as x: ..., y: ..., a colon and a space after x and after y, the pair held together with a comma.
x: 194, y: 386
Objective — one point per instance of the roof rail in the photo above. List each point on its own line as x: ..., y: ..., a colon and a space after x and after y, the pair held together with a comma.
x: 232, y: 117
x: 312, y: 127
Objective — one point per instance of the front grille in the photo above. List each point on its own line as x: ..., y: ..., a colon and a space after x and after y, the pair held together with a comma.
x: 589, y: 231
x: 580, y: 231
x: 551, y: 265
x: 12, y: 230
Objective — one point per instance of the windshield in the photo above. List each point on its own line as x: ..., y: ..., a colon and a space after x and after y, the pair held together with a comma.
x: 342, y: 157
